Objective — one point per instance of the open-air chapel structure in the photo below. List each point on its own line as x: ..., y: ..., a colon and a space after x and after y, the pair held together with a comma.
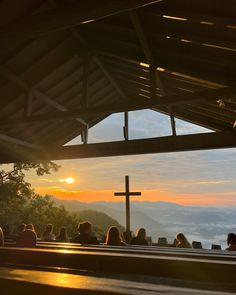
x: 66, y: 65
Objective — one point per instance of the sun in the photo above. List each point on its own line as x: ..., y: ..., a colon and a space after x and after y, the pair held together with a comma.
x: 69, y: 180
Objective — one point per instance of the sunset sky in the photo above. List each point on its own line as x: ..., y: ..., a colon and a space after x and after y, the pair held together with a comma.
x: 188, y: 178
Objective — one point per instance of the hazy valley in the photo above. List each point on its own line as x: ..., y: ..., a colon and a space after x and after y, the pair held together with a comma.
x: 206, y: 224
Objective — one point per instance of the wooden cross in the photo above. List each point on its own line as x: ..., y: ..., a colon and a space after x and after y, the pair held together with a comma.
x: 127, y: 194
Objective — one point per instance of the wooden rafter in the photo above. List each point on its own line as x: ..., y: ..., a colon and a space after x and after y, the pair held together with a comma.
x: 34, y: 91
x: 28, y: 103
x: 85, y: 84
x: 69, y: 16
x: 170, y: 100
x: 17, y: 141
x: 98, y: 62
x: 155, y: 79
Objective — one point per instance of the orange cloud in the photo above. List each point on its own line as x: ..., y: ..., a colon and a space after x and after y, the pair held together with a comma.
x: 208, y: 199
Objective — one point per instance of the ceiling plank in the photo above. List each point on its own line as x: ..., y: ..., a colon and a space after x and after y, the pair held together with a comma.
x: 69, y: 16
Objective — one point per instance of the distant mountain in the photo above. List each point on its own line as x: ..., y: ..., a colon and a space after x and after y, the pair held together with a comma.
x: 100, y: 220
x: 116, y: 210
x: 206, y: 224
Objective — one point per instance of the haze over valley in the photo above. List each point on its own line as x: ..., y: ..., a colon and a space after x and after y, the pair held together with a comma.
x: 206, y: 224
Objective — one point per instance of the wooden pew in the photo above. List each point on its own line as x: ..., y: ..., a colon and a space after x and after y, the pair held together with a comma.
x: 219, y: 273
x: 150, y: 250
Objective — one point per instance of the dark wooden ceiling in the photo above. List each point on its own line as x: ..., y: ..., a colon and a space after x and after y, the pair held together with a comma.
x: 67, y: 65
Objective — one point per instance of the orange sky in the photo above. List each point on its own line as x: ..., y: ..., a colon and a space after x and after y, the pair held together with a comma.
x: 207, y: 199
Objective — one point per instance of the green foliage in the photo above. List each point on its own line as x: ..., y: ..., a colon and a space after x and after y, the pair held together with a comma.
x: 19, y: 203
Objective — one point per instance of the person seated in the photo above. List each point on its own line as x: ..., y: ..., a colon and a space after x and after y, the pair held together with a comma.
x: 27, y: 239
x: 6, y: 229
x: 1, y: 238
x: 85, y: 234
x: 19, y: 230
x: 140, y: 238
x: 182, y: 241
x: 63, y: 237
x: 113, y: 237
x: 48, y: 234
x: 231, y: 241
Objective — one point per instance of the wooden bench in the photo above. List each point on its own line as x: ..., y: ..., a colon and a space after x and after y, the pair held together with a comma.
x: 221, y: 273
x: 148, y: 250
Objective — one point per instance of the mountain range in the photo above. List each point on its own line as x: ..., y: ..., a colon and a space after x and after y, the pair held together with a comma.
x: 206, y: 224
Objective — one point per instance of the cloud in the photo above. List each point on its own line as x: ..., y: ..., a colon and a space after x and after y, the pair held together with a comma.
x: 214, y: 182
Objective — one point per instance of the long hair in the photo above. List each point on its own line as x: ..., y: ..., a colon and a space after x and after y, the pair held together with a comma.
x: 141, y: 233
x: 48, y: 229
x: 113, y: 236
x: 63, y: 234
x: 181, y: 239
x: 29, y: 226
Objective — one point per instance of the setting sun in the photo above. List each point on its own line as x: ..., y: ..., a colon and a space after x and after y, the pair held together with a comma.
x: 68, y: 180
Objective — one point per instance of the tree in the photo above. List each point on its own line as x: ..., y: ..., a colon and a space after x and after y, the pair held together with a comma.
x: 19, y: 203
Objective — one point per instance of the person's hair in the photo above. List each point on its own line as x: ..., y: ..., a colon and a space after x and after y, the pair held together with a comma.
x: 1, y: 237
x: 180, y: 237
x: 84, y: 227
x: 113, y: 236
x: 21, y: 227
x: 141, y: 233
x: 30, y: 226
x: 231, y: 239
x: 48, y: 228
x: 62, y: 234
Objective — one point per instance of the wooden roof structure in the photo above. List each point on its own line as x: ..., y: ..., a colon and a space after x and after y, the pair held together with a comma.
x: 65, y: 65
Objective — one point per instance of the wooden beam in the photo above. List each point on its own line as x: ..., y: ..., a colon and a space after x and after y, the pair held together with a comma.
x: 34, y: 91
x: 203, y: 141
x: 17, y: 141
x: 28, y: 103
x: 141, y: 36
x: 69, y: 16
x: 85, y: 82
x: 107, y: 74
x: 172, y: 121
x: 99, y: 63
x: 126, y: 126
x: 154, y: 75
x: 155, y: 80
x: 169, y: 100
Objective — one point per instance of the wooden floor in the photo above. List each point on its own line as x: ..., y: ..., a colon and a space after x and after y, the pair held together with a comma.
x: 22, y: 281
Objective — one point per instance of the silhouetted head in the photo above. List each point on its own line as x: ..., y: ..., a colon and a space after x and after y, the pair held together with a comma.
x: 21, y: 227
x: 141, y: 233
x: 113, y: 236
x: 1, y: 238
x: 63, y: 233
x: 85, y: 228
x: 49, y: 228
x: 231, y: 239
x: 29, y: 226
x: 180, y: 237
